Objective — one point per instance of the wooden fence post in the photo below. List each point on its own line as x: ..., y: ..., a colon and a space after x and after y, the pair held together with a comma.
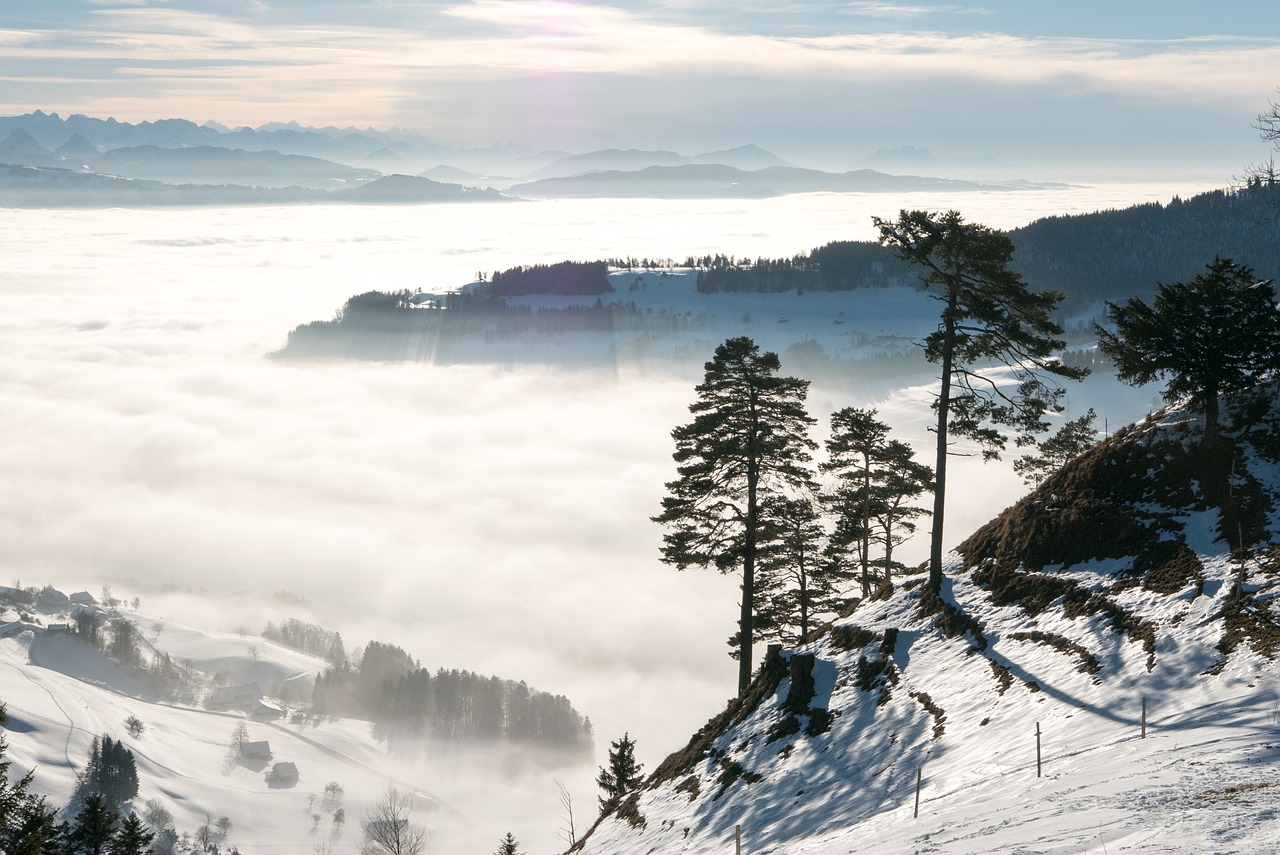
x: 1038, y: 767
x: 1144, y: 717
x: 737, y: 839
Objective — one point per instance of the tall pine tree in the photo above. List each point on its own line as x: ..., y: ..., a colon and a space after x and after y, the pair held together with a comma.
x: 748, y: 441
x: 989, y: 318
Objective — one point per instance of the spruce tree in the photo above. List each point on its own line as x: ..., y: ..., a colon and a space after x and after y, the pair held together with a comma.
x: 748, y: 441
x: 989, y: 318
x: 1218, y: 333
x: 132, y: 838
x: 622, y: 775
x: 508, y: 846
x: 93, y: 827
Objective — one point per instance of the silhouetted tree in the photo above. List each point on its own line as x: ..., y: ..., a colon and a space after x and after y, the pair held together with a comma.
x: 1073, y: 438
x: 1216, y: 334
x: 622, y: 775
x: 989, y: 317
x: 748, y: 441
x: 795, y: 583
x: 508, y: 846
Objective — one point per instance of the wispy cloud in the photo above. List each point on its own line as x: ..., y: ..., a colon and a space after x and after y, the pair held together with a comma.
x: 147, y: 61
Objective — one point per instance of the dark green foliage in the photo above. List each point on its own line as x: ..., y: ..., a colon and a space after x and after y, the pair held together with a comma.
x: 110, y: 773
x: 132, y: 838
x: 308, y: 638
x: 989, y: 317
x: 1217, y: 334
x: 94, y: 826
x: 748, y: 442
x: 878, y: 481
x: 508, y: 846
x: 1071, y: 440
x: 621, y: 775
x: 566, y: 277
x: 795, y: 588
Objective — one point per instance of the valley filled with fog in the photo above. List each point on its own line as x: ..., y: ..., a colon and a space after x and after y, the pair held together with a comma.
x: 492, y: 518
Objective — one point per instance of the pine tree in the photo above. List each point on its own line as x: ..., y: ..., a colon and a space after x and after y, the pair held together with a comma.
x: 132, y: 838
x: 1218, y: 333
x: 508, y: 846
x: 989, y: 317
x: 93, y: 827
x: 1072, y: 439
x: 748, y: 441
x: 796, y: 584
x: 622, y: 775
x: 878, y: 480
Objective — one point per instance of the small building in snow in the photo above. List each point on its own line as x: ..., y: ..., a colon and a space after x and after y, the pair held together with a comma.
x: 243, y: 696
x: 265, y: 710
x: 283, y: 774
x: 83, y: 598
x: 51, y: 599
x: 259, y: 750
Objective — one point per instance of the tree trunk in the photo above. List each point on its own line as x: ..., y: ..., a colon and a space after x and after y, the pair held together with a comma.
x: 746, y: 620
x: 1210, y: 417
x: 940, y: 461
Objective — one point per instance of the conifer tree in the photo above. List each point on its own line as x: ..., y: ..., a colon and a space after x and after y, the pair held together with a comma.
x: 878, y: 480
x: 989, y: 317
x: 1072, y: 439
x: 508, y: 846
x: 622, y: 775
x: 748, y: 441
x: 1218, y: 333
x: 132, y: 838
x: 94, y: 826
x: 796, y: 584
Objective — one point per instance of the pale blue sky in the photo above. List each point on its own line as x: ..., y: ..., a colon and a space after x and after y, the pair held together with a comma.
x: 1142, y: 89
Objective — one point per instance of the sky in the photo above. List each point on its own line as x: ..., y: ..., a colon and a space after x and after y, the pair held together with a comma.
x: 1137, y: 90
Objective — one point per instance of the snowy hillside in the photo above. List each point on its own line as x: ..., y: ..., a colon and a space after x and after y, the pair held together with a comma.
x: 1111, y: 586
x: 61, y: 693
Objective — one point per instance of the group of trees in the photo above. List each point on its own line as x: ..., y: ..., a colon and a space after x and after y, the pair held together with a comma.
x: 308, y: 638
x: 29, y: 825
x: 387, y: 685
x: 745, y: 498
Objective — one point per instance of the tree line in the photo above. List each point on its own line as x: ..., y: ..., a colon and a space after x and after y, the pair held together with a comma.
x: 1087, y: 258
x: 388, y: 686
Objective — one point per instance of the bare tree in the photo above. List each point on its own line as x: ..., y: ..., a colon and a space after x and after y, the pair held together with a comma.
x: 568, y: 833
x: 388, y: 830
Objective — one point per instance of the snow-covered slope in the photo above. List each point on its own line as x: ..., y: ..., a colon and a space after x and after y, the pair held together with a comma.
x: 1109, y: 588
x: 60, y: 693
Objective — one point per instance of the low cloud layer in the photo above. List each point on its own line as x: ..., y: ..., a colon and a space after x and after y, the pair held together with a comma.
x: 487, y: 518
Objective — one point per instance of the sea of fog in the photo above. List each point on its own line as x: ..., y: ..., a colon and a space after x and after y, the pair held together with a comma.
x: 493, y: 519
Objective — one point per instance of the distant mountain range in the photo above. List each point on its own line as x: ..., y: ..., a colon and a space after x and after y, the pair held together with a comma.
x: 81, y: 161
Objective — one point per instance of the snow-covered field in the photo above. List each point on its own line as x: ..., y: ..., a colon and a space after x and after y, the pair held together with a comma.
x: 487, y: 518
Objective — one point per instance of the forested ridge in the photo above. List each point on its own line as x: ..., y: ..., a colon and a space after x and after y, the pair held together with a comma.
x: 1088, y: 258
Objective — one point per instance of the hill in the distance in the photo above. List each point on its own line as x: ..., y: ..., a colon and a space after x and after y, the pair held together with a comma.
x: 1136, y: 585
